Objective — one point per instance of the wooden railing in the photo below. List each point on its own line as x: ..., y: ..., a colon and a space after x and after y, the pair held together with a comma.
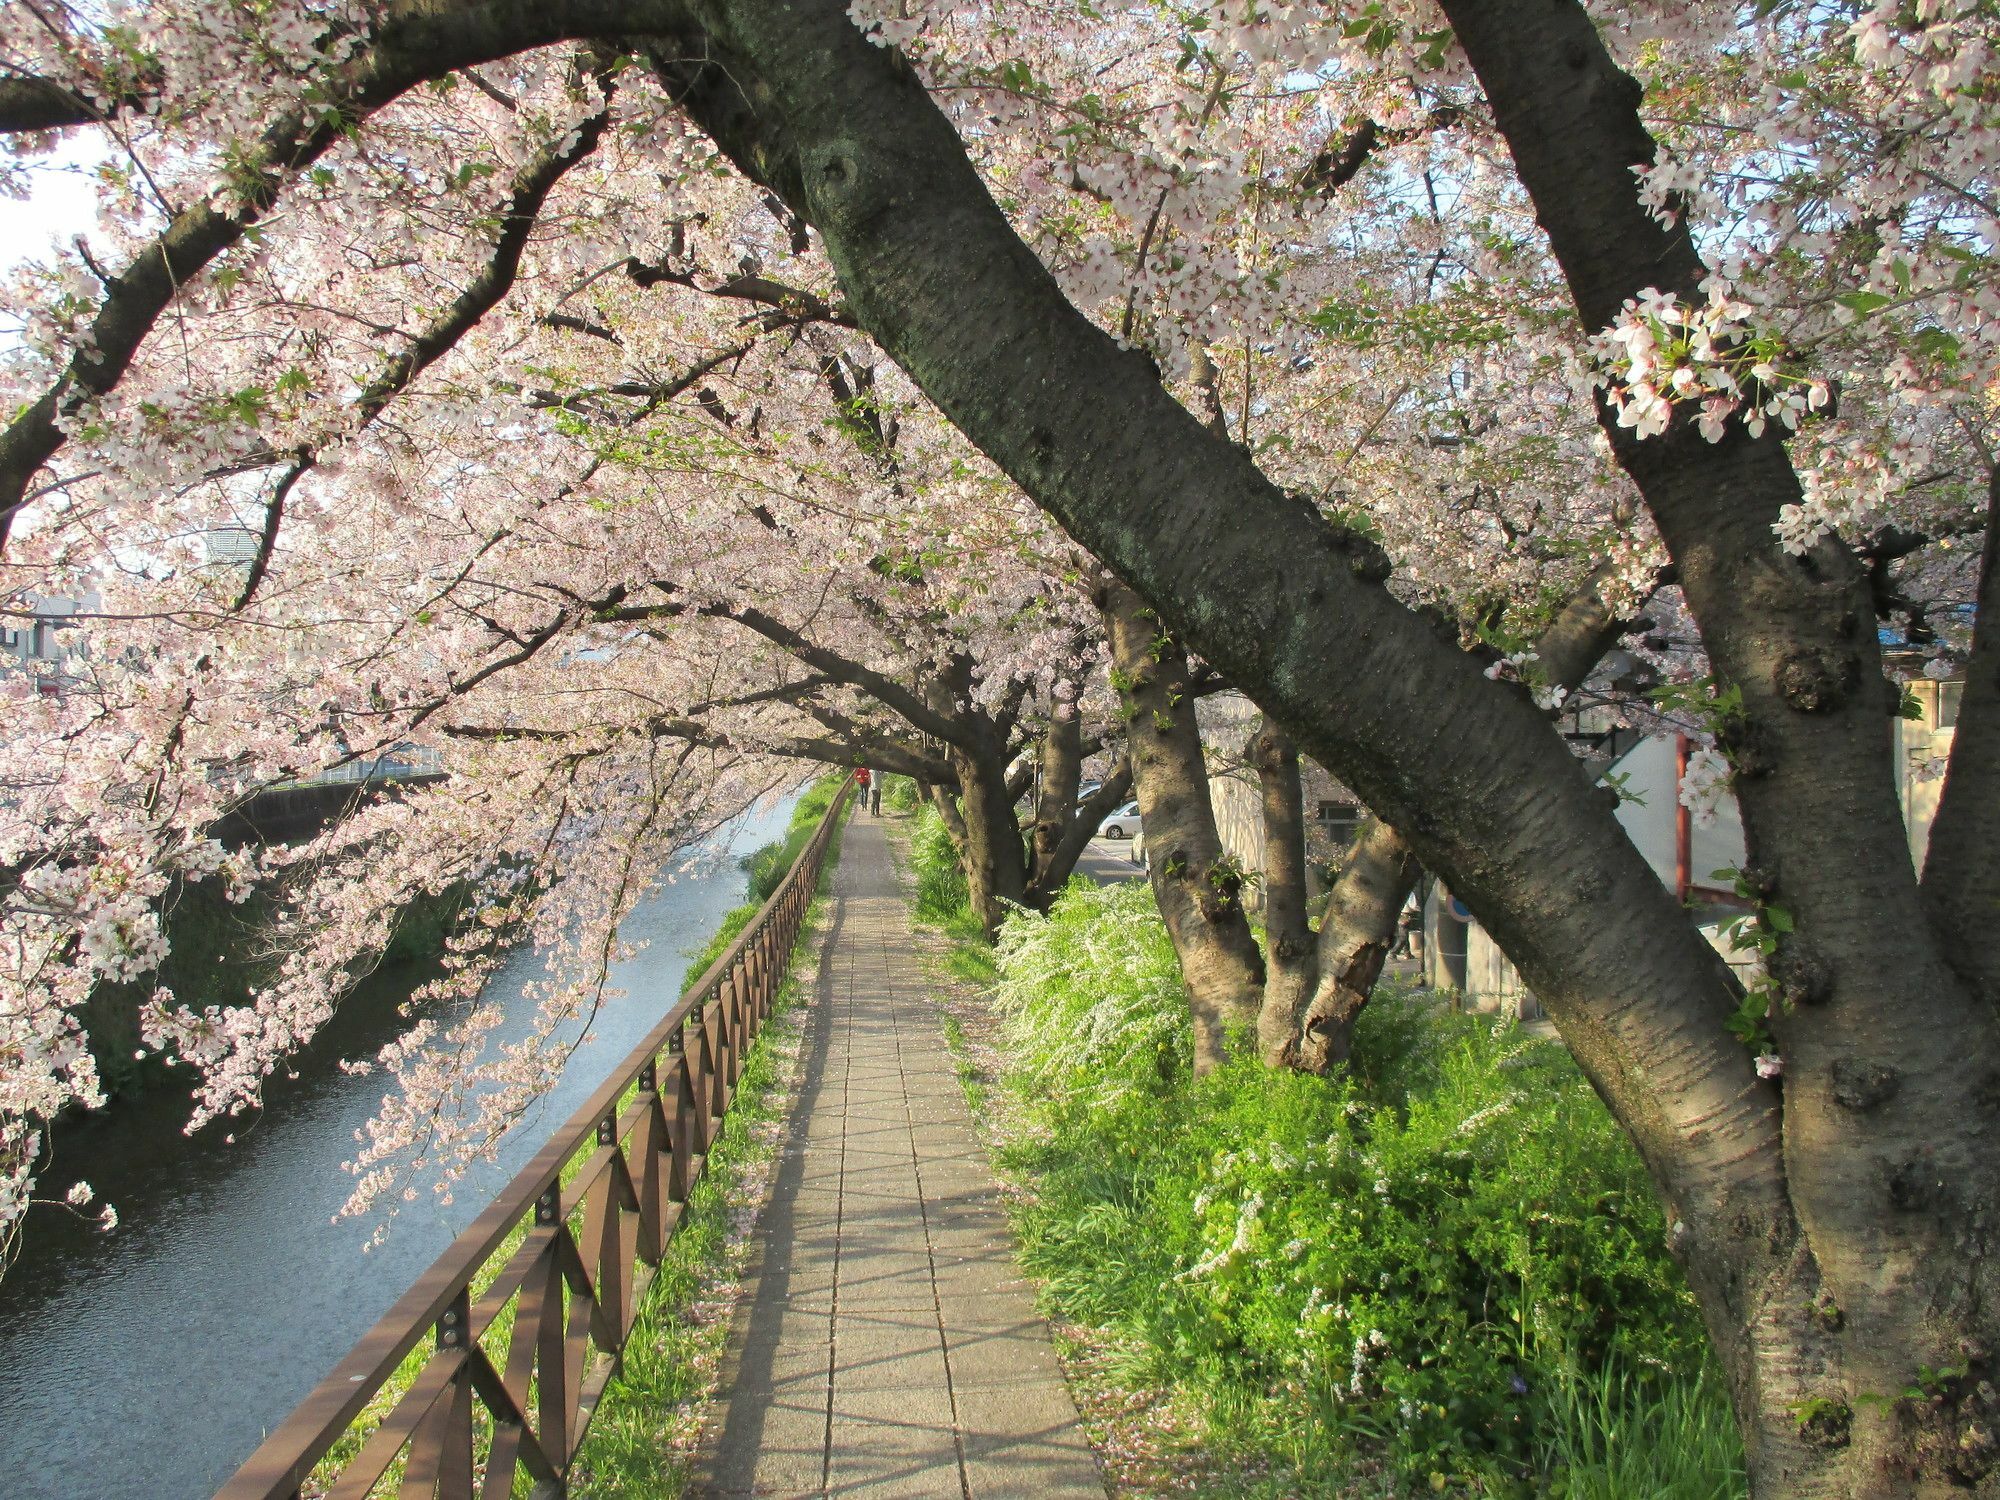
x: 519, y: 1362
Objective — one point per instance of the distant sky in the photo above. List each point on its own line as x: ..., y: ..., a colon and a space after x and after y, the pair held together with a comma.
x: 64, y: 202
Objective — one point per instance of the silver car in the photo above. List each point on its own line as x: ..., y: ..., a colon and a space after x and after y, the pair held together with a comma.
x: 1122, y: 823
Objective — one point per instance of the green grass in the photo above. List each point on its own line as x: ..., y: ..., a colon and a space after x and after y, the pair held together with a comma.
x: 1441, y: 1270
x: 1617, y: 1433
x: 899, y: 794
x: 631, y: 1451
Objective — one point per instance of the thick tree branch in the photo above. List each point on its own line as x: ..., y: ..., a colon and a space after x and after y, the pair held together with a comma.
x: 28, y: 103
x: 1364, y: 908
x: 1338, y: 164
x: 1962, y: 870
x: 480, y: 296
x: 887, y: 691
x: 789, y: 304
x: 417, y: 40
x: 1052, y: 876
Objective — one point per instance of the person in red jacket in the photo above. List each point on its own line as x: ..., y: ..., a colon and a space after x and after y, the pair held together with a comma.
x: 861, y: 780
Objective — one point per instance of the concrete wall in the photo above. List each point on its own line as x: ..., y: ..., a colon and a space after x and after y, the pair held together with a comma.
x: 1648, y: 769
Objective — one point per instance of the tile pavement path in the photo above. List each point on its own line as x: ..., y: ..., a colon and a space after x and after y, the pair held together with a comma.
x: 886, y: 1344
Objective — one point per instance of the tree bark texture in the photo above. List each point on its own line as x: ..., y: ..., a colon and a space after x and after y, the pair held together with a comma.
x: 1046, y: 880
x: 1199, y: 890
x: 1838, y: 1243
x: 1056, y: 798
x: 996, y: 870
x: 1365, y: 907
x: 1890, y: 1155
x: 1291, y: 961
x: 1356, y: 931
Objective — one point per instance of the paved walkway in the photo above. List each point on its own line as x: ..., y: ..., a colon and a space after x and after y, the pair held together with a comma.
x: 885, y: 1344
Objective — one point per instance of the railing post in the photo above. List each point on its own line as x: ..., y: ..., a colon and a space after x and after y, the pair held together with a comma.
x: 682, y: 1144
x: 727, y: 1000
x: 451, y: 1429
x: 603, y: 1239
x: 701, y: 1065
x: 551, y: 1367
x: 714, y: 1063
x: 650, y: 1152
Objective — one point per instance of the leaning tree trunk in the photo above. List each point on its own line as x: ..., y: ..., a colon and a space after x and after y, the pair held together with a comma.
x: 944, y: 802
x: 1861, y: 1326
x: 1355, y: 935
x: 1062, y: 778
x: 1288, y: 937
x: 1836, y: 1228
x: 1064, y: 825
x: 1198, y: 889
x: 1362, y: 914
x: 1046, y: 881
x: 996, y: 871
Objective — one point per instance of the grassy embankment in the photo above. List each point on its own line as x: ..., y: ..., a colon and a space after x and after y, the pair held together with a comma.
x: 1441, y: 1270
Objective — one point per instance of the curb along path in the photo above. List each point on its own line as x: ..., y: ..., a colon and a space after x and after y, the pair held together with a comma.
x: 886, y: 1344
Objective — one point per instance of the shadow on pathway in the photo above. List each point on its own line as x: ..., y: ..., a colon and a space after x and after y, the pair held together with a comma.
x: 886, y: 1344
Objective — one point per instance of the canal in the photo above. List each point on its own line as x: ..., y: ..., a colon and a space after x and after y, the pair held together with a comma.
x: 146, y: 1364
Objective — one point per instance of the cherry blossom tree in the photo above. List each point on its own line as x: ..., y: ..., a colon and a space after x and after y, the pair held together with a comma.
x: 560, y: 317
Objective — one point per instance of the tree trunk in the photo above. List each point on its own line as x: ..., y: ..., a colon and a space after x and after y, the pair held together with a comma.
x: 1834, y: 1228
x: 1062, y: 776
x: 1290, y: 960
x: 1890, y: 1153
x: 1364, y: 911
x: 996, y: 873
x: 1198, y: 889
x: 1355, y: 935
x: 1048, y: 880
x: 945, y: 801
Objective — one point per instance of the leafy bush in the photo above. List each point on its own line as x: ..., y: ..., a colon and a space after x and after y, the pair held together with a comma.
x: 1125, y: 1027
x: 941, y: 891
x: 767, y: 865
x: 1422, y: 1260
x: 899, y: 794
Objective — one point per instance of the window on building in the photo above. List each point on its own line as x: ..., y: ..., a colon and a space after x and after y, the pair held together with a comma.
x: 1948, y: 695
x: 1338, y: 820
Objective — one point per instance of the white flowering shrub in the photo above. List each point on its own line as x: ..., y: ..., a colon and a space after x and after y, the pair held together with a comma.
x: 1092, y: 995
x: 1423, y: 1250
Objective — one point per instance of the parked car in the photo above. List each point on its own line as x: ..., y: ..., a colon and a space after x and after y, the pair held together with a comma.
x: 1122, y: 823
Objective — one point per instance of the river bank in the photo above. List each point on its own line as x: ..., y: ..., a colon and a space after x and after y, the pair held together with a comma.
x: 152, y: 1360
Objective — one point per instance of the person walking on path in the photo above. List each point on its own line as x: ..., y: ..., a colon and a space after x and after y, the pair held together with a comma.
x: 862, y: 779
x: 875, y: 795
